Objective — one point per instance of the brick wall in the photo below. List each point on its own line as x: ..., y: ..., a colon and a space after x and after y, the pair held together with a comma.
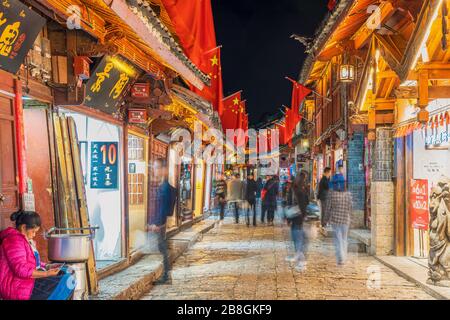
x: 356, y: 178
x: 382, y: 195
x: 382, y: 242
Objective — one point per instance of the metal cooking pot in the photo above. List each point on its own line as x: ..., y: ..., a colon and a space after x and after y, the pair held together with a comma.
x: 69, y: 247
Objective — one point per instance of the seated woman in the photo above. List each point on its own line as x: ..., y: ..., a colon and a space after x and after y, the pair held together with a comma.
x: 22, y: 275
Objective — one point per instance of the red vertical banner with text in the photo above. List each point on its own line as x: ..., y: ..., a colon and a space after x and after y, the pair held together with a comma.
x: 419, y: 204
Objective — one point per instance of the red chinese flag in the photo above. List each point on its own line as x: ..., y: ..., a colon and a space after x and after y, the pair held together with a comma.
x: 299, y: 93
x: 288, y: 124
x: 242, y: 113
x: 331, y: 4
x: 194, y: 25
x: 230, y: 114
x: 214, y: 92
x: 265, y: 147
x: 246, y: 122
x: 240, y: 140
x: 282, y: 133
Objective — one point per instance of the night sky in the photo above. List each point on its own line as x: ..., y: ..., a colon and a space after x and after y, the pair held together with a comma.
x: 257, y: 51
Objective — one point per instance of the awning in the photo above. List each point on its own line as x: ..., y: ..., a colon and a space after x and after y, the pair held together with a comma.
x: 435, y: 120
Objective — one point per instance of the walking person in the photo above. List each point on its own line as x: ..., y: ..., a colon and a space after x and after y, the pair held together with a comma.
x: 338, y: 179
x: 300, y: 190
x: 324, y: 187
x: 221, y: 194
x: 250, y: 195
x: 165, y: 203
x: 269, y: 201
x: 235, y: 194
x: 338, y: 214
x: 259, y: 187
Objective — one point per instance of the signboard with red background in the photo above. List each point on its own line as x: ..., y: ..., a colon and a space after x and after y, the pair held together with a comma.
x: 419, y: 204
x: 137, y: 116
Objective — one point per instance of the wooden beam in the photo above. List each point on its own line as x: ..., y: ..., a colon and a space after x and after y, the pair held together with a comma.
x: 423, y: 88
x: 434, y: 92
x: 390, y: 87
x: 386, y: 74
x: 423, y: 114
x: 392, y: 54
x: 384, y: 104
x: 371, y: 112
x: 363, y: 34
x: 387, y: 118
x: 435, y: 65
x: 433, y: 74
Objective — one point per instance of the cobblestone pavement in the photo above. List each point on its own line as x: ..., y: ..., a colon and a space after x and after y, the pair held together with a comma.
x: 236, y: 262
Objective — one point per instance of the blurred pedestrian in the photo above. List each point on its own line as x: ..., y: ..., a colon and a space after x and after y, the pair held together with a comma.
x: 250, y: 195
x: 235, y: 194
x: 338, y: 180
x: 221, y: 194
x: 338, y: 213
x: 259, y: 187
x: 300, y: 190
x: 165, y: 204
x: 269, y: 200
x: 324, y: 187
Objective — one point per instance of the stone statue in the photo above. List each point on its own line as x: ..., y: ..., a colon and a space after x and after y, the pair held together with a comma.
x: 439, y: 257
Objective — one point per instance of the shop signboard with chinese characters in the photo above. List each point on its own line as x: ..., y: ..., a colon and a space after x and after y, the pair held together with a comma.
x: 109, y: 83
x: 429, y: 162
x: 104, y: 165
x: 140, y: 90
x: 19, y: 28
x: 137, y: 116
x: 419, y: 204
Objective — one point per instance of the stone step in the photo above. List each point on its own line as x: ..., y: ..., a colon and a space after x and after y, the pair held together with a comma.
x: 137, y: 279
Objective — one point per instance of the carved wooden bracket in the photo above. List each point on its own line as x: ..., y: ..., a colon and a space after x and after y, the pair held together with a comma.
x: 159, y: 114
x: 407, y: 93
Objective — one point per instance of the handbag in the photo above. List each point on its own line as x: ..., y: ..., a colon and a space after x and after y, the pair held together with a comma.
x: 292, y: 212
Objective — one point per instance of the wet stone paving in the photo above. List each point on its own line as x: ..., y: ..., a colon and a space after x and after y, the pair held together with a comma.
x: 236, y: 262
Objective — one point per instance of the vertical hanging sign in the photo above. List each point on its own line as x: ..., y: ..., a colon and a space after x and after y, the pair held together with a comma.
x: 419, y: 204
x: 19, y: 28
x: 109, y: 83
x: 104, y: 165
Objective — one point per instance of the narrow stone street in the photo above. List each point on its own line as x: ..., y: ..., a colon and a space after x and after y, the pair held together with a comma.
x: 236, y: 262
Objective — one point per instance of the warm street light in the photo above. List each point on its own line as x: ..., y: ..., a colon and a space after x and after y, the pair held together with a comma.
x: 305, y: 143
x: 346, y: 73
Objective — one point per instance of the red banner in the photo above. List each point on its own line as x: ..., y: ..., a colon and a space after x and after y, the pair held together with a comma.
x: 419, y: 204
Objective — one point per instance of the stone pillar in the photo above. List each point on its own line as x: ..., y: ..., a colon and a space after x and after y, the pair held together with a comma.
x: 356, y: 178
x: 382, y: 194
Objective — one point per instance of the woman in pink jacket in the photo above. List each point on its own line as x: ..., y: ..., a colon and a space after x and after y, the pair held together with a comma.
x: 22, y: 275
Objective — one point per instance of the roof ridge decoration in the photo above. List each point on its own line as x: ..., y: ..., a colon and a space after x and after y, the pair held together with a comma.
x: 324, y: 31
x: 143, y: 10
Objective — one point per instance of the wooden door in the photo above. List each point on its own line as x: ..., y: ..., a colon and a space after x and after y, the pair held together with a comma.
x: 9, y: 179
x: 39, y: 168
